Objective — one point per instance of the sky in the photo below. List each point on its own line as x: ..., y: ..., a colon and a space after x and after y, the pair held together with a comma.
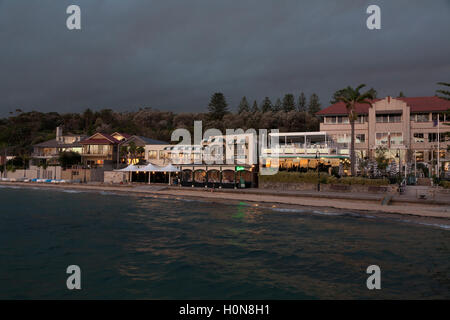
x: 174, y: 54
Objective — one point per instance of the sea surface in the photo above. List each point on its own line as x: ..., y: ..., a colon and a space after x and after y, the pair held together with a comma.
x: 132, y: 247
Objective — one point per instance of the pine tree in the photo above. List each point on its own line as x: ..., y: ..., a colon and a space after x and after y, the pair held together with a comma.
x: 255, y: 107
x: 277, y: 105
x: 266, y: 105
x: 445, y: 93
x: 401, y: 95
x: 288, y: 102
x: 302, y: 102
x: 314, y: 104
x: 218, y: 106
x: 243, y: 105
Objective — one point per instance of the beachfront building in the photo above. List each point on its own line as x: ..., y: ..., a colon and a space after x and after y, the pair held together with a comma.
x: 47, y: 153
x: 303, y: 151
x: 228, y: 161
x: 100, y: 150
x: 139, y: 149
x: 411, y: 129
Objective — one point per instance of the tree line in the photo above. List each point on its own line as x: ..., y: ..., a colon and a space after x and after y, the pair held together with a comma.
x: 21, y: 130
x: 287, y: 104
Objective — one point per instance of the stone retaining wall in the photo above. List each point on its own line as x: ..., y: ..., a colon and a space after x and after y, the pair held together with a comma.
x: 286, y: 186
x: 115, y: 177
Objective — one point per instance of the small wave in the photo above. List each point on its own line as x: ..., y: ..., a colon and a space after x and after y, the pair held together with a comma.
x: 428, y: 224
x: 325, y: 213
x: 107, y: 193
x: 70, y: 191
x: 10, y: 187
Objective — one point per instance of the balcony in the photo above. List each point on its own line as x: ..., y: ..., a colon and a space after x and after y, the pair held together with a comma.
x: 96, y: 154
x: 44, y: 155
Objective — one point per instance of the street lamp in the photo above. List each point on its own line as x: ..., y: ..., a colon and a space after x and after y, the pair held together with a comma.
x: 318, y: 171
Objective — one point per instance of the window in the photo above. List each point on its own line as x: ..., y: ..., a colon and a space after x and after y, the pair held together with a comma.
x: 441, y: 117
x: 418, y: 138
x: 360, y: 138
x: 330, y: 120
x: 153, y: 154
x: 433, y: 137
x: 423, y: 117
x: 361, y: 119
x: 419, y: 156
x: 382, y: 118
x: 381, y: 138
x: 395, y: 118
x: 388, y: 118
x: 341, y: 119
x: 343, y: 138
x: 396, y: 138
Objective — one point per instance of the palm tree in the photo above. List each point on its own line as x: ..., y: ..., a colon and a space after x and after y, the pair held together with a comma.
x: 132, y: 150
x: 351, y: 97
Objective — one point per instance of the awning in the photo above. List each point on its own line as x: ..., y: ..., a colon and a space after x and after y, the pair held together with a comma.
x: 131, y: 167
x: 169, y: 168
x: 150, y: 167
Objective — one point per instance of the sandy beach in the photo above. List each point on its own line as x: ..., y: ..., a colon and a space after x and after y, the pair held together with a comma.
x: 272, y: 198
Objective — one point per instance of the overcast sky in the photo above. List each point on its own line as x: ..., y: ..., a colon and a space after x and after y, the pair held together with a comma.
x: 173, y: 54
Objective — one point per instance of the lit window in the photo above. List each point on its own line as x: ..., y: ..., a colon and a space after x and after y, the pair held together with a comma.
x: 418, y: 138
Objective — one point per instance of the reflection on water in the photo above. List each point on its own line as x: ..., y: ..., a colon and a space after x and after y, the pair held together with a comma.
x: 133, y: 247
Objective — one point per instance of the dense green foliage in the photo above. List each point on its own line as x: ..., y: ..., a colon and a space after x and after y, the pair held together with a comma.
x: 312, y: 177
x: 445, y: 184
x: 68, y: 159
x: 444, y: 92
x: 22, y: 130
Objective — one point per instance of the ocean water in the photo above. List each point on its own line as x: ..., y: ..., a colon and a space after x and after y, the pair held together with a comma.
x: 131, y: 247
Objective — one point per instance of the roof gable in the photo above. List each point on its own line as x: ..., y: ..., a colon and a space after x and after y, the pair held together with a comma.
x: 120, y: 136
x: 100, y: 138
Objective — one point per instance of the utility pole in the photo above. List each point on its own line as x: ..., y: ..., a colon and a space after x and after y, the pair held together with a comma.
x: 439, y: 150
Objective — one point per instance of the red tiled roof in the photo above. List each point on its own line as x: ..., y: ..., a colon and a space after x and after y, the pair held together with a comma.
x: 108, y: 139
x: 417, y: 104
x: 96, y: 141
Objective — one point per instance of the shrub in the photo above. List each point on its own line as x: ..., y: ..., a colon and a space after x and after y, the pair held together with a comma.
x: 311, y: 177
x: 445, y: 184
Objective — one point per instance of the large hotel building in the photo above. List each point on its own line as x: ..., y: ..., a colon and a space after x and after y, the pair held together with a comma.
x: 399, y: 124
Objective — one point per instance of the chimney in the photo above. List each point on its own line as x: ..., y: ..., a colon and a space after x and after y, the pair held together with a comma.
x: 59, y: 134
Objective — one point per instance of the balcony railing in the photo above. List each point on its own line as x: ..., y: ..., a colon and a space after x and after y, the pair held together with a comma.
x: 44, y: 155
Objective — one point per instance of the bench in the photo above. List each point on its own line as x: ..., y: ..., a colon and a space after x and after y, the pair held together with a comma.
x: 340, y: 187
x: 377, y: 189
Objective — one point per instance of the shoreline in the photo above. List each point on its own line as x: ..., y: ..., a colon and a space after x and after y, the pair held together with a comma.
x: 364, y: 206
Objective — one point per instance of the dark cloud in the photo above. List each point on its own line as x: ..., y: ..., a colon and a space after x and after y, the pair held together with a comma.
x: 173, y: 55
